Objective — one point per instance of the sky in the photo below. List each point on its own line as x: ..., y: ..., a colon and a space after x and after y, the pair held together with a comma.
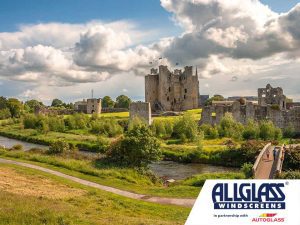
x: 64, y: 49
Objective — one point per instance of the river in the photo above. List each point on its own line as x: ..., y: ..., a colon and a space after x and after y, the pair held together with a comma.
x: 167, y: 169
x: 180, y: 171
x: 9, y: 143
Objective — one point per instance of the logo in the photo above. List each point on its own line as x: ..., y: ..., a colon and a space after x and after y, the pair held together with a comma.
x: 268, y: 218
x: 248, y: 196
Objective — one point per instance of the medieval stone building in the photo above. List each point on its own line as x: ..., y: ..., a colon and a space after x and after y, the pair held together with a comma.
x: 88, y: 106
x: 271, y: 106
x: 172, y: 91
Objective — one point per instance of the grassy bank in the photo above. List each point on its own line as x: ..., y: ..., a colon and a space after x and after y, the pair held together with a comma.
x: 88, y: 206
x: 123, y: 178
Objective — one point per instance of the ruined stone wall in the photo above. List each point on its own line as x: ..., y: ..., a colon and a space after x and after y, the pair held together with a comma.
x: 151, y: 88
x: 141, y: 110
x: 271, y: 96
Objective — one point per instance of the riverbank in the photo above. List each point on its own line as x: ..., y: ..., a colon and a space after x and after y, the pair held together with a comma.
x: 141, y: 182
x: 54, y: 200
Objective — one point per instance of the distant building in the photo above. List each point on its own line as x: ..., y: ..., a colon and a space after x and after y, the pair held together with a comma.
x: 203, y: 99
x: 172, y: 91
x: 89, y: 106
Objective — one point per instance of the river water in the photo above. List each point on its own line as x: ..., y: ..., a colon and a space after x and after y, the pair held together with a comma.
x: 166, y: 169
x: 9, y: 143
x: 179, y: 171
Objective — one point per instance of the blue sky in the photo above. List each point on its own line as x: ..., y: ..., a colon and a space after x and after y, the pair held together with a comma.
x: 68, y: 51
x: 147, y: 12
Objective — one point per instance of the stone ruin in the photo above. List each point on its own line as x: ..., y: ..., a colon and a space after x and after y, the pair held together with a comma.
x: 141, y: 110
x: 271, y: 106
x: 172, y: 91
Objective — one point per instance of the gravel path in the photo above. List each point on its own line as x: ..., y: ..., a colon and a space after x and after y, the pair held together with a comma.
x: 160, y: 200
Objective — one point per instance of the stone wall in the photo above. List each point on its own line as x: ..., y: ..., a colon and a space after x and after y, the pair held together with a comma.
x: 141, y: 110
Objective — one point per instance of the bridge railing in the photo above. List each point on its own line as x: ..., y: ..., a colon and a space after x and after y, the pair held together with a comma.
x: 279, y: 161
x: 259, y: 159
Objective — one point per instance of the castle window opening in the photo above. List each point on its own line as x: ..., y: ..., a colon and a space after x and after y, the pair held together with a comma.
x: 185, y: 90
x: 168, y: 99
x: 169, y: 89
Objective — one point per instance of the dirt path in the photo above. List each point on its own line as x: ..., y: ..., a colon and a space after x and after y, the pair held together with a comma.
x: 266, y: 166
x: 160, y: 200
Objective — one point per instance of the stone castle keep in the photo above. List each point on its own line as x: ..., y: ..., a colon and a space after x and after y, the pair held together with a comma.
x: 271, y: 105
x: 172, y: 91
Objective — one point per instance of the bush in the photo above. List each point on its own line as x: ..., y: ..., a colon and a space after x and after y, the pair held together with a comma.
x: 5, y: 114
x: 228, y: 127
x: 268, y: 131
x: 18, y: 147
x: 247, y: 170
x: 251, y: 131
x: 138, y: 148
x: 58, y: 147
x: 290, y: 175
x: 186, y: 128
x: 289, y: 132
x: 162, y: 128
x: 108, y: 127
x: 210, y: 132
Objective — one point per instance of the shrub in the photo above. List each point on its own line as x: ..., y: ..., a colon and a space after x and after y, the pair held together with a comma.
x: 162, y: 128
x: 138, y: 148
x: 290, y: 175
x: 228, y: 127
x: 58, y: 147
x: 186, y: 128
x: 247, y: 170
x: 109, y: 127
x: 17, y: 147
x: 210, y: 132
x: 289, y: 132
x: 5, y: 114
x: 251, y: 131
x: 267, y: 130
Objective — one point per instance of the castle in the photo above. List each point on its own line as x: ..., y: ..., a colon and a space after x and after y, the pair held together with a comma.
x: 89, y: 106
x: 172, y: 91
x: 272, y: 105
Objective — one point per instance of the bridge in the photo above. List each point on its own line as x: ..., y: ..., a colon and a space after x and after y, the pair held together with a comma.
x: 267, y: 167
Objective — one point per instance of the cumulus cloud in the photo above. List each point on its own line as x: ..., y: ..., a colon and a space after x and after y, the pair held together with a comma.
x: 66, y: 54
x: 238, y: 29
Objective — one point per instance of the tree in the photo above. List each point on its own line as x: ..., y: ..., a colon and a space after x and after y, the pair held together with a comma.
x: 107, y: 102
x: 137, y: 149
x: 3, y: 102
x: 186, y: 128
x: 214, y: 98
x: 122, y: 101
x: 32, y: 104
x: 57, y: 102
x: 15, y: 107
x: 251, y: 130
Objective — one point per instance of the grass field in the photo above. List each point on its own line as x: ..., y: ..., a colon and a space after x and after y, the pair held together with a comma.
x: 73, y: 203
x: 125, y: 179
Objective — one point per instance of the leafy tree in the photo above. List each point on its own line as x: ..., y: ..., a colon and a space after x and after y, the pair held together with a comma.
x: 247, y: 170
x: 32, y: 104
x: 107, y: 102
x: 228, y: 127
x: 251, y: 131
x: 267, y: 130
x: 56, y: 102
x: 137, y: 149
x: 58, y: 147
x: 214, y: 98
x: 186, y: 128
x: 210, y: 132
x: 4, y: 114
x: 3, y: 102
x: 15, y: 107
x: 122, y: 101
